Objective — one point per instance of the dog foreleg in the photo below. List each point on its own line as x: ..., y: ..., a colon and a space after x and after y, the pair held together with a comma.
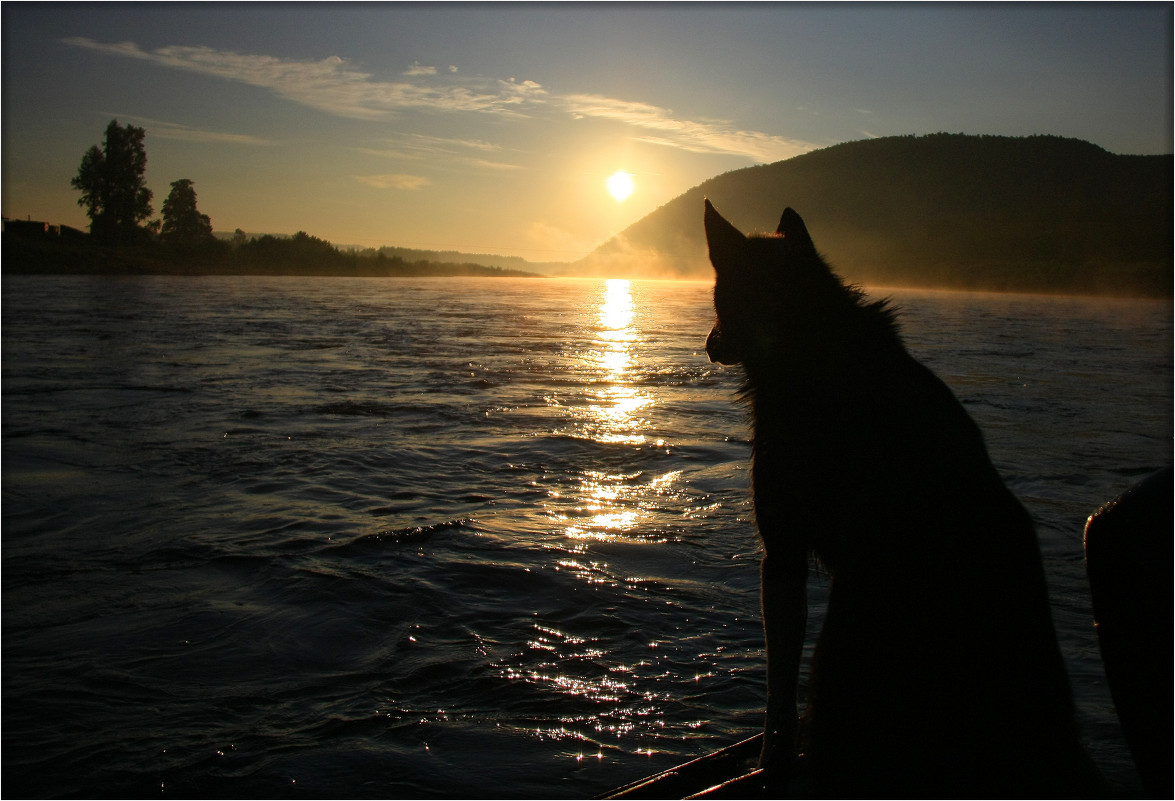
x: 785, y: 614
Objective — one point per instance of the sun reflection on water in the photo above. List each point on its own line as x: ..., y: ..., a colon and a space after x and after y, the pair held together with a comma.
x: 616, y: 312
x: 616, y: 487
x: 618, y: 400
x: 610, y: 505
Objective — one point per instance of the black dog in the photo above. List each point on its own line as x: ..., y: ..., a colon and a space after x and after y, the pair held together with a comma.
x: 937, y: 672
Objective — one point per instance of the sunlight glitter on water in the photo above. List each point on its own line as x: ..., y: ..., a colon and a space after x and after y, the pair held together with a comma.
x: 616, y: 312
x: 609, y: 507
x: 612, y: 417
x: 387, y: 521
x: 601, y: 505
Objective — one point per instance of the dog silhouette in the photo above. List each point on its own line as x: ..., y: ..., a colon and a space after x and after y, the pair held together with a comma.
x: 937, y: 670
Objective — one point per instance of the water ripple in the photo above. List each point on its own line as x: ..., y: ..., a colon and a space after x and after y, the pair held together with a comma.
x: 267, y: 537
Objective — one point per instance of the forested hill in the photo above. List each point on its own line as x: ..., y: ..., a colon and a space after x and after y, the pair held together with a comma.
x: 36, y: 248
x: 1040, y: 213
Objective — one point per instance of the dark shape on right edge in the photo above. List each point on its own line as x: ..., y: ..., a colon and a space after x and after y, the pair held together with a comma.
x: 1128, y: 557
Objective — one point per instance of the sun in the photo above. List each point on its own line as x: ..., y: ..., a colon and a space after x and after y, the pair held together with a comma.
x: 620, y: 185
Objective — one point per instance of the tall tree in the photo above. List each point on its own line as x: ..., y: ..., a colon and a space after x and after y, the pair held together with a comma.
x: 110, y: 179
x: 183, y: 224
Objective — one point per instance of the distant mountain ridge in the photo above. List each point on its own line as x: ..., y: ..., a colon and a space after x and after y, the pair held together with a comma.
x: 1039, y: 213
x: 420, y: 256
x: 445, y: 256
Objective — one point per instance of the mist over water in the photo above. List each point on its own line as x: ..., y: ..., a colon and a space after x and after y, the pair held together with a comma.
x: 491, y: 537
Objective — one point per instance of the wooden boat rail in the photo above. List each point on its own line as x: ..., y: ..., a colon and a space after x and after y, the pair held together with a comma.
x: 730, y: 772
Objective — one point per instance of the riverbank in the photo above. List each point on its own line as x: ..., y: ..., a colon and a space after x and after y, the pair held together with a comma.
x: 298, y: 255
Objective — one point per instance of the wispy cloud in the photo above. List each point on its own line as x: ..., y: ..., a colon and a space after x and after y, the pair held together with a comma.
x: 331, y: 84
x: 185, y: 133
x: 437, y: 149
x: 393, y: 181
x: 445, y: 143
x: 486, y: 164
x: 704, y: 136
x: 334, y: 86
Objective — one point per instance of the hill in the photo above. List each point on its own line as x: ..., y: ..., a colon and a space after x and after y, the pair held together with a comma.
x: 1038, y: 213
x: 414, y: 255
x: 410, y: 255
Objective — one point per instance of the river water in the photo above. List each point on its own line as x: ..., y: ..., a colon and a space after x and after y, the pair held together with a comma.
x: 278, y: 537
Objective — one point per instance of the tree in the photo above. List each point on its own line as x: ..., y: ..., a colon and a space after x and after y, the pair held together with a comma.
x: 183, y: 224
x: 111, y: 182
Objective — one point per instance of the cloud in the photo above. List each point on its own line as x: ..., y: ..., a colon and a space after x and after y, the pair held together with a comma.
x: 393, y: 181
x: 444, y: 142
x: 705, y: 136
x: 184, y: 133
x: 441, y: 150
x: 334, y: 86
x: 492, y: 165
x: 331, y: 84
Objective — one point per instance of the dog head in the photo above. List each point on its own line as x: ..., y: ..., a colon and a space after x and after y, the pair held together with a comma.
x: 767, y: 291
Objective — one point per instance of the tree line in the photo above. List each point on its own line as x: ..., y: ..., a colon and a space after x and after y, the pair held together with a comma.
x: 124, y: 239
x: 116, y: 198
x: 111, y: 179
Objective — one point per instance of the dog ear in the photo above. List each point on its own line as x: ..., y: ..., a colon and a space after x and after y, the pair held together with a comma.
x: 794, y: 232
x: 725, y: 241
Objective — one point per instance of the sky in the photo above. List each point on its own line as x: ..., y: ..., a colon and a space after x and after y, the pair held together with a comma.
x: 494, y: 128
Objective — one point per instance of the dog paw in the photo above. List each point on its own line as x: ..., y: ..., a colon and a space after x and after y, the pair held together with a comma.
x: 782, y: 766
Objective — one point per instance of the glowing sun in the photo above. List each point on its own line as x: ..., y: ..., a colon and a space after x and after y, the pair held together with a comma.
x: 620, y: 185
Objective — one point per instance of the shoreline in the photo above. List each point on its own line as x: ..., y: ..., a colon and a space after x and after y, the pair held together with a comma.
x: 32, y: 256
